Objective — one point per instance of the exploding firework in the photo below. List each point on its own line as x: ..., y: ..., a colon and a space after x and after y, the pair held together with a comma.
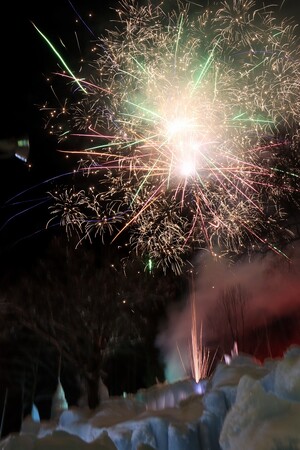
x: 180, y: 117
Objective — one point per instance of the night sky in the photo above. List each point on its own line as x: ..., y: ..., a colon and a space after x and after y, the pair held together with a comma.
x: 27, y: 62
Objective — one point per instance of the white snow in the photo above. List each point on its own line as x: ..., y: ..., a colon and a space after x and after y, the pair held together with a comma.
x: 245, y: 405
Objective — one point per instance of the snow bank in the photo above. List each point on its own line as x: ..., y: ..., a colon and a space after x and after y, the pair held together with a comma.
x: 245, y: 405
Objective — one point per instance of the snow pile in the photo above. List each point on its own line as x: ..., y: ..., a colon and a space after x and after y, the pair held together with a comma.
x: 245, y: 405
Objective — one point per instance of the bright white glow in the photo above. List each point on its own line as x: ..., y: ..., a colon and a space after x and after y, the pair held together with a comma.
x: 180, y: 133
x: 187, y: 168
x: 178, y: 126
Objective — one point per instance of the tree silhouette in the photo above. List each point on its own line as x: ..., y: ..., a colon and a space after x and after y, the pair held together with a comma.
x: 229, y: 317
x: 88, y: 305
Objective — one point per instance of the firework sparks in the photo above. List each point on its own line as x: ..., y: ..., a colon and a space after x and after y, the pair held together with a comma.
x: 200, y: 356
x: 179, y: 115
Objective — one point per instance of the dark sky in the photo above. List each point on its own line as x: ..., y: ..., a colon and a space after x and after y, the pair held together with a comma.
x: 26, y: 58
x: 26, y: 63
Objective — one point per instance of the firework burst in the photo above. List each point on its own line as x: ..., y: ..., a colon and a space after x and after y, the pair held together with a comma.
x: 180, y: 116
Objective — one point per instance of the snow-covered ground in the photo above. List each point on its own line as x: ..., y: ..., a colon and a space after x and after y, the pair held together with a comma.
x: 245, y: 405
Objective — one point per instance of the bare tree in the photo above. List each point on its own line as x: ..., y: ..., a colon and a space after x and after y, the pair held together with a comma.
x: 233, y: 301
x: 86, y: 306
x: 229, y: 318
